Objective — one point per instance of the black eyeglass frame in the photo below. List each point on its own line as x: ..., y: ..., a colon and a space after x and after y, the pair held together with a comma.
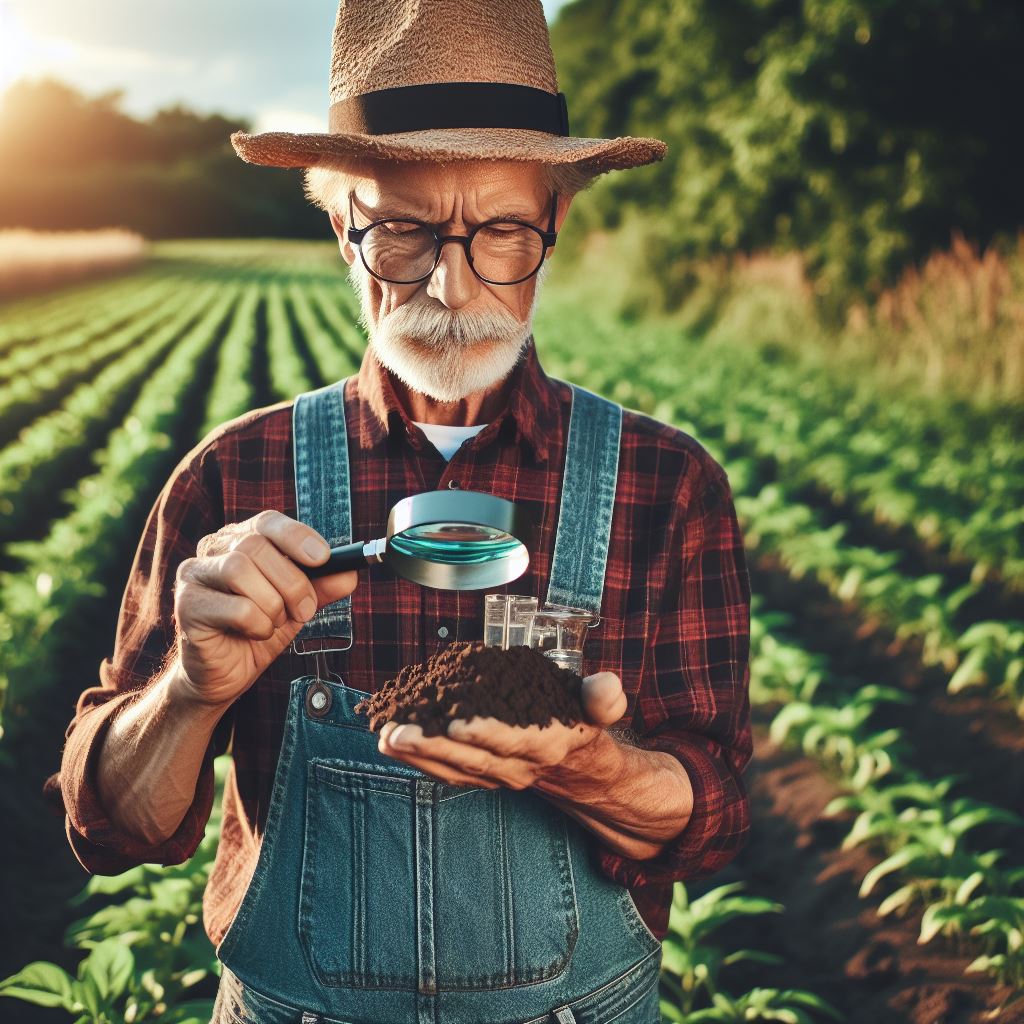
x: 548, y: 237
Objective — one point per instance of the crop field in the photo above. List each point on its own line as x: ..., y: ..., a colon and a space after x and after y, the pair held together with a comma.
x: 884, y: 881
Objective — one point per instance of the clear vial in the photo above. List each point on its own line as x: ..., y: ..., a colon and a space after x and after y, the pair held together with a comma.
x: 495, y: 619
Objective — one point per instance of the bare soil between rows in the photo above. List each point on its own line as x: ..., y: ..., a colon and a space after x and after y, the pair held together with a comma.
x: 976, y: 736
x: 831, y: 941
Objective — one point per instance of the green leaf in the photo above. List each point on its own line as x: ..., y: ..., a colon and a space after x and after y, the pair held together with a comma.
x: 41, y: 983
x: 194, y: 1010
x: 672, y: 1013
x: 109, y: 966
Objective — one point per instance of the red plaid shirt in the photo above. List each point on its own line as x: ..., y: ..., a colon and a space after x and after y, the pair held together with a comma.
x: 674, y: 626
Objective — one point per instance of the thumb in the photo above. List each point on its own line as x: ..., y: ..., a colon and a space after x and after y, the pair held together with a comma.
x: 334, y: 587
x: 603, y: 699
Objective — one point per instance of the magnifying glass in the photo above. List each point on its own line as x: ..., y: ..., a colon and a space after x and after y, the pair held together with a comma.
x: 450, y: 540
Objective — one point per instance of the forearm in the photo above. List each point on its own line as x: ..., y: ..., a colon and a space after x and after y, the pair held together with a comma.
x: 634, y: 800
x: 151, y: 757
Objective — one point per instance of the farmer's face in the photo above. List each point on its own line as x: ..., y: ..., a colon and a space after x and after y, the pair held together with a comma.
x: 451, y: 334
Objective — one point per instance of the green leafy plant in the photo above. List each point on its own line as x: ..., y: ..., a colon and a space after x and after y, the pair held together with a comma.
x: 147, y: 949
x: 692, y: 963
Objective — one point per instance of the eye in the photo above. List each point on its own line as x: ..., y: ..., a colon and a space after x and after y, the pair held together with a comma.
x: 399, y: 227
x: 504, y: 228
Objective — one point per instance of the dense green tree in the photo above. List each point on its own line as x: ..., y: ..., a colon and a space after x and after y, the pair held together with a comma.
x: 860, y: 131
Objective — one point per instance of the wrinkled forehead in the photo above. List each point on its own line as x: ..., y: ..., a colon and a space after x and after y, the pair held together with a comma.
x: 433, y: 191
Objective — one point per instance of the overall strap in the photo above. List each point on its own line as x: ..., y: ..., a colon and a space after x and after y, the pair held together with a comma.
x: 322, y: 494
x: 588, y: 499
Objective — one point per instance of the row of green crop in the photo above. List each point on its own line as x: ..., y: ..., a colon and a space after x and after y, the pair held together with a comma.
x: 987, y: 654
x: 31, y: 320
x: 54, y: 348
x: 62, y: 570
x: 334, y: 341
x: 983, y: 654
x: 964, y: 887
x: 44, y: 387
x: 36, y: 465
x: 232, y: 392
x: 952, y: 475
x: 288, y: 375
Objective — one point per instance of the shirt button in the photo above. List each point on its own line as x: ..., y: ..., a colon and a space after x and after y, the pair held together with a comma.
x: 442, y: 631
x: 453, y: 485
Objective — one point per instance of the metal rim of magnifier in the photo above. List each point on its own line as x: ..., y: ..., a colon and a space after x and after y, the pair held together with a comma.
x: 474, y: 508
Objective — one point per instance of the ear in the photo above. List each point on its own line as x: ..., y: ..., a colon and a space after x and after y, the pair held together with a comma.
x: 348, y: 252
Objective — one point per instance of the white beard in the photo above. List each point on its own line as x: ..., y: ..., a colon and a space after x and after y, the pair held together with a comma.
x: 441, y: 353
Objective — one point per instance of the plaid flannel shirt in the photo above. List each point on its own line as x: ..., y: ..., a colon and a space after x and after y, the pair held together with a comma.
x: 674, y: 627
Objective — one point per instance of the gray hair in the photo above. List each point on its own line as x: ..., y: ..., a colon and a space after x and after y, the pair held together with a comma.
x: 327, y: 184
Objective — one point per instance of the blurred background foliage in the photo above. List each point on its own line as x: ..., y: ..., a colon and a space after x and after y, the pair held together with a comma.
x: 859, y: 133
x: 173, y: 175
x: 840, y: 173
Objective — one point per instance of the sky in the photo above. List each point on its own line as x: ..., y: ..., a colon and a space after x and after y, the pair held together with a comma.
x: 266, y: 60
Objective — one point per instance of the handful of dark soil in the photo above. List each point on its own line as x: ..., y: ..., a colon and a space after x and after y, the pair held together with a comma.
x: 518, y: 686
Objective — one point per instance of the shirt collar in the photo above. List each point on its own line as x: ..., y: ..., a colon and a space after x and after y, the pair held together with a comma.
x: 533, y: 405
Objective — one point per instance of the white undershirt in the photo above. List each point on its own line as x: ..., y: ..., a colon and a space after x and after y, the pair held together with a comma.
x: 448, y: 440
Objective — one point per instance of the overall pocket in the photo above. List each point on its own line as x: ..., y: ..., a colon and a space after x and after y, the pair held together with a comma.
x: 490, y: 870
x: 505, y: 912
x: 357, y: 898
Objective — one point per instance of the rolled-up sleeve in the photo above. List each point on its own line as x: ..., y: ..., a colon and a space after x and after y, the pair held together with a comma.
x: 144, y: 646
x: 693, y: 701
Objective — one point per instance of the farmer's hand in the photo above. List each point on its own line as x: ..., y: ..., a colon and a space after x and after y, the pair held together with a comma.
x: 486, y: 752
x: 243, y: 599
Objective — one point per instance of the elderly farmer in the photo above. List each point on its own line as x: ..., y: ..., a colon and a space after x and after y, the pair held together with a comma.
x: 496, y: 873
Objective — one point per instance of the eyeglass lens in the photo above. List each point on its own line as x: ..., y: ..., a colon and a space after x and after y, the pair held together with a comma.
x: 404, y: 252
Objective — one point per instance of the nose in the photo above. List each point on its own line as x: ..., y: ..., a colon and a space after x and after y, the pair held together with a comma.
x: 453, y: 281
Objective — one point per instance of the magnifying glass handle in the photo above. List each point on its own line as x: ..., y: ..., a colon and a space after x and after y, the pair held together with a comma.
x: 343, y: 557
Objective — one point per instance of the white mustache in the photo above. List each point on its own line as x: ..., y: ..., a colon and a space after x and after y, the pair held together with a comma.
x: 434, y: 325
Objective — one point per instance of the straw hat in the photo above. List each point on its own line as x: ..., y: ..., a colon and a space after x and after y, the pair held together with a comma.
x: 445, y: 80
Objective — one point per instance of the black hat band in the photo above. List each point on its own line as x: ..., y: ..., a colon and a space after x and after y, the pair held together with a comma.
x: 416, y: 108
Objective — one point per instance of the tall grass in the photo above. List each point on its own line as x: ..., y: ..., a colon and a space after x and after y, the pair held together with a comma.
x: 956, y: 322
x: 954, y: 325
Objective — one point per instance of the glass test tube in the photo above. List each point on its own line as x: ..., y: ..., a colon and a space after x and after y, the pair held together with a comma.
x: 559, y: 631
x: 507, y: 619
x: 520, y: 612
x: 495, y: 618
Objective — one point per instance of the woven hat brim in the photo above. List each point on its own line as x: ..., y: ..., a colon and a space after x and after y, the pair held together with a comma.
x: 288, y: 149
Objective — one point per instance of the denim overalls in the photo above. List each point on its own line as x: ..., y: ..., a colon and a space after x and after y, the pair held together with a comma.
x: 382, y: 896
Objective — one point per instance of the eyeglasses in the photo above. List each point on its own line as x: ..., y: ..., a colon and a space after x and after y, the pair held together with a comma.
x: 406, y: 251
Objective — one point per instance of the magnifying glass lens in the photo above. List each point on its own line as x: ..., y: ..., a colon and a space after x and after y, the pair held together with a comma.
x: 455, y: 543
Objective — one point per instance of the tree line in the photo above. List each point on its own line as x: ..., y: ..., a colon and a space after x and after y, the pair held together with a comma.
x: 73, y: 162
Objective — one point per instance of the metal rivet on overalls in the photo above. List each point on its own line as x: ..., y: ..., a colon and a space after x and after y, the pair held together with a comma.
x: 318, y: 700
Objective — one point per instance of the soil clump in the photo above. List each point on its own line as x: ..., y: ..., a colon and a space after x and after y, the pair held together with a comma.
x: 519, y: 686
